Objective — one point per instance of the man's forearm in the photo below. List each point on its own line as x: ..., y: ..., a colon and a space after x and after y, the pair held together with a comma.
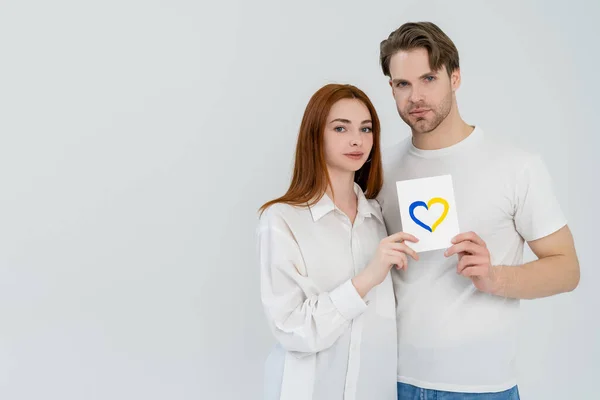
x: 540, y: 278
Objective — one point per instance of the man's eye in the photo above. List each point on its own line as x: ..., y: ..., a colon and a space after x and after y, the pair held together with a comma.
x: 401, y: 84
x: 430, y: 78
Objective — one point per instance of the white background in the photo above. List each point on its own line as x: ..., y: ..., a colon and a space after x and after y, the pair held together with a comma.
x: 138, y: 139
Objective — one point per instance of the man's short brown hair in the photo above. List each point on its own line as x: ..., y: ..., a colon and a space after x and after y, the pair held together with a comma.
x: 414, y: 35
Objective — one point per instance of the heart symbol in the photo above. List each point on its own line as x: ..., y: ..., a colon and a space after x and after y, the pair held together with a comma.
x: 435, y: 200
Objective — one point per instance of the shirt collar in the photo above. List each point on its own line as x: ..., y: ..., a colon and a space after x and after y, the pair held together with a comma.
x: 325, y: 205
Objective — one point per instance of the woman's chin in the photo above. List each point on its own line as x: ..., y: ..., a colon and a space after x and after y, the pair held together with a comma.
x: 348, y: 167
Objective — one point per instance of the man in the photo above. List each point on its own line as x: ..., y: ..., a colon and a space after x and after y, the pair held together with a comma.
x: 457, y: 309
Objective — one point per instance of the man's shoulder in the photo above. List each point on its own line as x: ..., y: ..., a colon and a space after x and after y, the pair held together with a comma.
x: 501, y: 151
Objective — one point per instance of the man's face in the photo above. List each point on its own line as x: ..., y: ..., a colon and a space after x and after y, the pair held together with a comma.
x: 424, y: 98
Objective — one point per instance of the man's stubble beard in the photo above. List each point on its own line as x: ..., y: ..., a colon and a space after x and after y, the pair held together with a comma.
x: 439, y: 115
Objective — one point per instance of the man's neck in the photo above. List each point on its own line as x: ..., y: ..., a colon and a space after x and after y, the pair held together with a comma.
x: 451, y: 131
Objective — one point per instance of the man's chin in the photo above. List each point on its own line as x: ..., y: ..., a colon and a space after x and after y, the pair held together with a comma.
x: 418, y: 125
x: 421, y: 126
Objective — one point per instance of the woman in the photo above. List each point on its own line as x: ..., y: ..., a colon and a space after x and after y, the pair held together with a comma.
x: 325, y: 260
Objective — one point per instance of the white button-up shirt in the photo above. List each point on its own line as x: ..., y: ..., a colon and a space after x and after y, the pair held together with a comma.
x: 331, y: 343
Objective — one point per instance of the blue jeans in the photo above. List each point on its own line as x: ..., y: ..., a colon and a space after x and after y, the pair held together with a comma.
x: 410, y: 392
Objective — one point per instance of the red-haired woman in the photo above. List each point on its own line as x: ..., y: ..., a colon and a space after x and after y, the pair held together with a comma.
x: 325, y: 259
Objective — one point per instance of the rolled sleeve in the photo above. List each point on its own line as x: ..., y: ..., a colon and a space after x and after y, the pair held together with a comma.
x: 347, y: 300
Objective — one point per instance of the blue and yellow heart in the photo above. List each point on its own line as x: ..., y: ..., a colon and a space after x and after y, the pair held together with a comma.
x: 419, y: 203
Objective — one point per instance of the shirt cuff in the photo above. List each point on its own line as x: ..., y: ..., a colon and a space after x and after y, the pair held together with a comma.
x: 347, y: 300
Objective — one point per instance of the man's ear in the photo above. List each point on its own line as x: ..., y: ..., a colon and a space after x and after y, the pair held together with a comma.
x: 455, y: 79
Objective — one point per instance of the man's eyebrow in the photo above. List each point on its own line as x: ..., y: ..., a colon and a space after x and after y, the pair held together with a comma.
x: 430, y: 73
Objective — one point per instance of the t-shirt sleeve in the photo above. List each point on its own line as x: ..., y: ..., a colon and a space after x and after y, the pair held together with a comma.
x: 537, y: 211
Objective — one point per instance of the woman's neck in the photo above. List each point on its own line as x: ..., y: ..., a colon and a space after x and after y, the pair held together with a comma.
x: 342, y: 192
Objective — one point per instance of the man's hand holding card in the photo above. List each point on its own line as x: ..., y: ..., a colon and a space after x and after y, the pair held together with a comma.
x: 428, y: 211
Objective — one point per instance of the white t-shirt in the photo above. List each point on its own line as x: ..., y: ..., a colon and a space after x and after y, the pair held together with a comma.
x: 450, y: 335
x: 331, y: 343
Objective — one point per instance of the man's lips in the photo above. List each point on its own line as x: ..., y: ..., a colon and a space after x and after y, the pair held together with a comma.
x: 419, y: 111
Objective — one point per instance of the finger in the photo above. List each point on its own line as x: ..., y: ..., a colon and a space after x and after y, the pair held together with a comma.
x: 397, y: 257
x: 467, y: 247
x: 463, y: 263
x: 404, y: 249
x: 400, y: 237
x: 470, y: 236
x: 404, y: 264
x: 468, y: 261
x: 401, y: 266
x: 475, y: 272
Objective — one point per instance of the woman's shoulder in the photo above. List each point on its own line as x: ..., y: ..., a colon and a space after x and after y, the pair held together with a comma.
x: 280, y: 215
x: 374, y: 203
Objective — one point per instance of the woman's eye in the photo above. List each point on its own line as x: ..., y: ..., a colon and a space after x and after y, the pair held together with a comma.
x: 367, y: 129
x: 339, y: 129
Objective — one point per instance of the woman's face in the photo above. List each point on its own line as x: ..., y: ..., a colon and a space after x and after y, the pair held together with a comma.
x: 348, y: 135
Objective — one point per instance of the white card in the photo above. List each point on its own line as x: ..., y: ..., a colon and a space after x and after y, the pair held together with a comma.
x: 428, y: 211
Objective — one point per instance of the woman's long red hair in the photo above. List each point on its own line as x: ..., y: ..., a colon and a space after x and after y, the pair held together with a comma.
x: 310, y: 179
